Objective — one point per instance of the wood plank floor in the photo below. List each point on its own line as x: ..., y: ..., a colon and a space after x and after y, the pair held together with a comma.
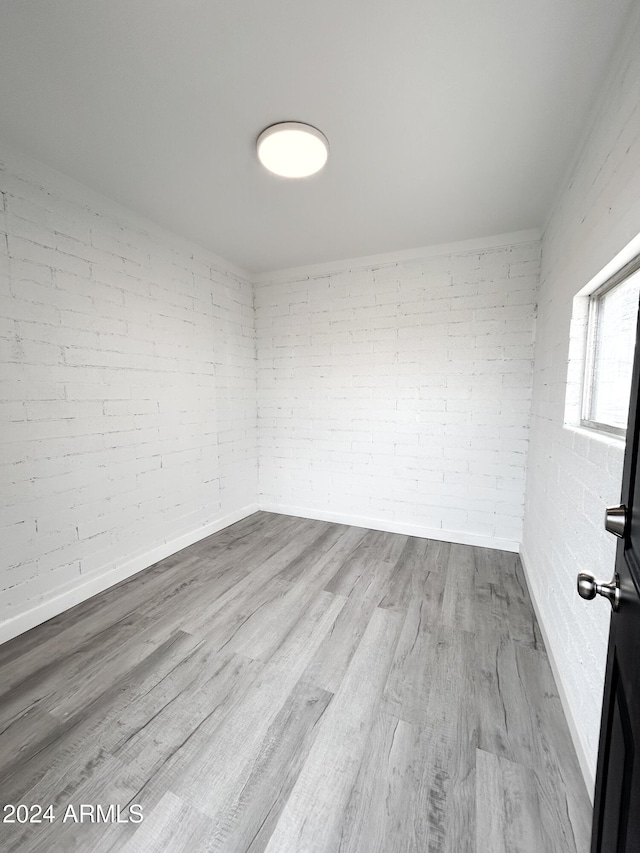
x: 294, y: 686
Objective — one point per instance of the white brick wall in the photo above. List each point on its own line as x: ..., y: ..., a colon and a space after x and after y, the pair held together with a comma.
x: 128, y: 395
x: 573, y: 475
x: 399, y: 395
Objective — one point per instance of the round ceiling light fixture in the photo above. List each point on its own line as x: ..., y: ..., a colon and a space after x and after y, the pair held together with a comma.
x: 292, y: 149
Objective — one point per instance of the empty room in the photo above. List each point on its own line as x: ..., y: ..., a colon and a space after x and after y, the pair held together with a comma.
x: 320, y: 425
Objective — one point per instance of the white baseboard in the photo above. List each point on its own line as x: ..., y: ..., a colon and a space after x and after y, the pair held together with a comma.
x: 100, y: 580
x: 585, y: 761
x: 457, y: 536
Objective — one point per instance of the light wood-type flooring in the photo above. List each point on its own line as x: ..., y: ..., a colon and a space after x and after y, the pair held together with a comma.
x: 294, y: 686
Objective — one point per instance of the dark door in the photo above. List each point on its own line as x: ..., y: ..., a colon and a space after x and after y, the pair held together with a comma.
x: 616, y: 816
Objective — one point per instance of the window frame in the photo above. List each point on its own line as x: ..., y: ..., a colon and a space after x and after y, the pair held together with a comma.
x: 589, y: 360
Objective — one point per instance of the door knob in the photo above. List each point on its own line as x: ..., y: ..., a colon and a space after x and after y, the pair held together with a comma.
x: 615, y: 520
x: 588, y: 588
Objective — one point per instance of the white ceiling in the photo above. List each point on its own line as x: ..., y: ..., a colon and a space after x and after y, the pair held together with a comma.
x: 447, y: 119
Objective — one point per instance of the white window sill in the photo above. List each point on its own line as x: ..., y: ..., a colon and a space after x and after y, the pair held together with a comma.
x: 598, y: 435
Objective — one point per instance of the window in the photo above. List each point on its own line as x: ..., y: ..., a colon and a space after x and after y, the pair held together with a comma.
x: 611, y: 338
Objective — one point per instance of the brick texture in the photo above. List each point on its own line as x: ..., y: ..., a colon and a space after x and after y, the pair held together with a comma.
x: 402, y: 392
x: 128, y: 392
x: 574, y: 474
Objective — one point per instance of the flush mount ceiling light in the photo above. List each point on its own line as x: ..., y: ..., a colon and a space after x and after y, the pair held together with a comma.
x: 292, y: 149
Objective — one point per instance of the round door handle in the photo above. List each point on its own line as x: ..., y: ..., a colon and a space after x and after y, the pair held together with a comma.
x: 588, y: 587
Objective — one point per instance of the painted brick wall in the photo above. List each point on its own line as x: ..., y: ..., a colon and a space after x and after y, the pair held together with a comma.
x: 128, y: 395
x: 574, y: 474
x: 399, y: 396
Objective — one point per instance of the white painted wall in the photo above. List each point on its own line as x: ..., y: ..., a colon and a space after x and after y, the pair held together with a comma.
x: 128, y: 395
x: 393, y: 395
x: 573, y: 474
x: 397, y: 396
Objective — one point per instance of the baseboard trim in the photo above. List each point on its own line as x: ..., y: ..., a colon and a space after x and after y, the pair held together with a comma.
x: 586, y: 765
x: 458, y: 536
x: 99, y: 581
